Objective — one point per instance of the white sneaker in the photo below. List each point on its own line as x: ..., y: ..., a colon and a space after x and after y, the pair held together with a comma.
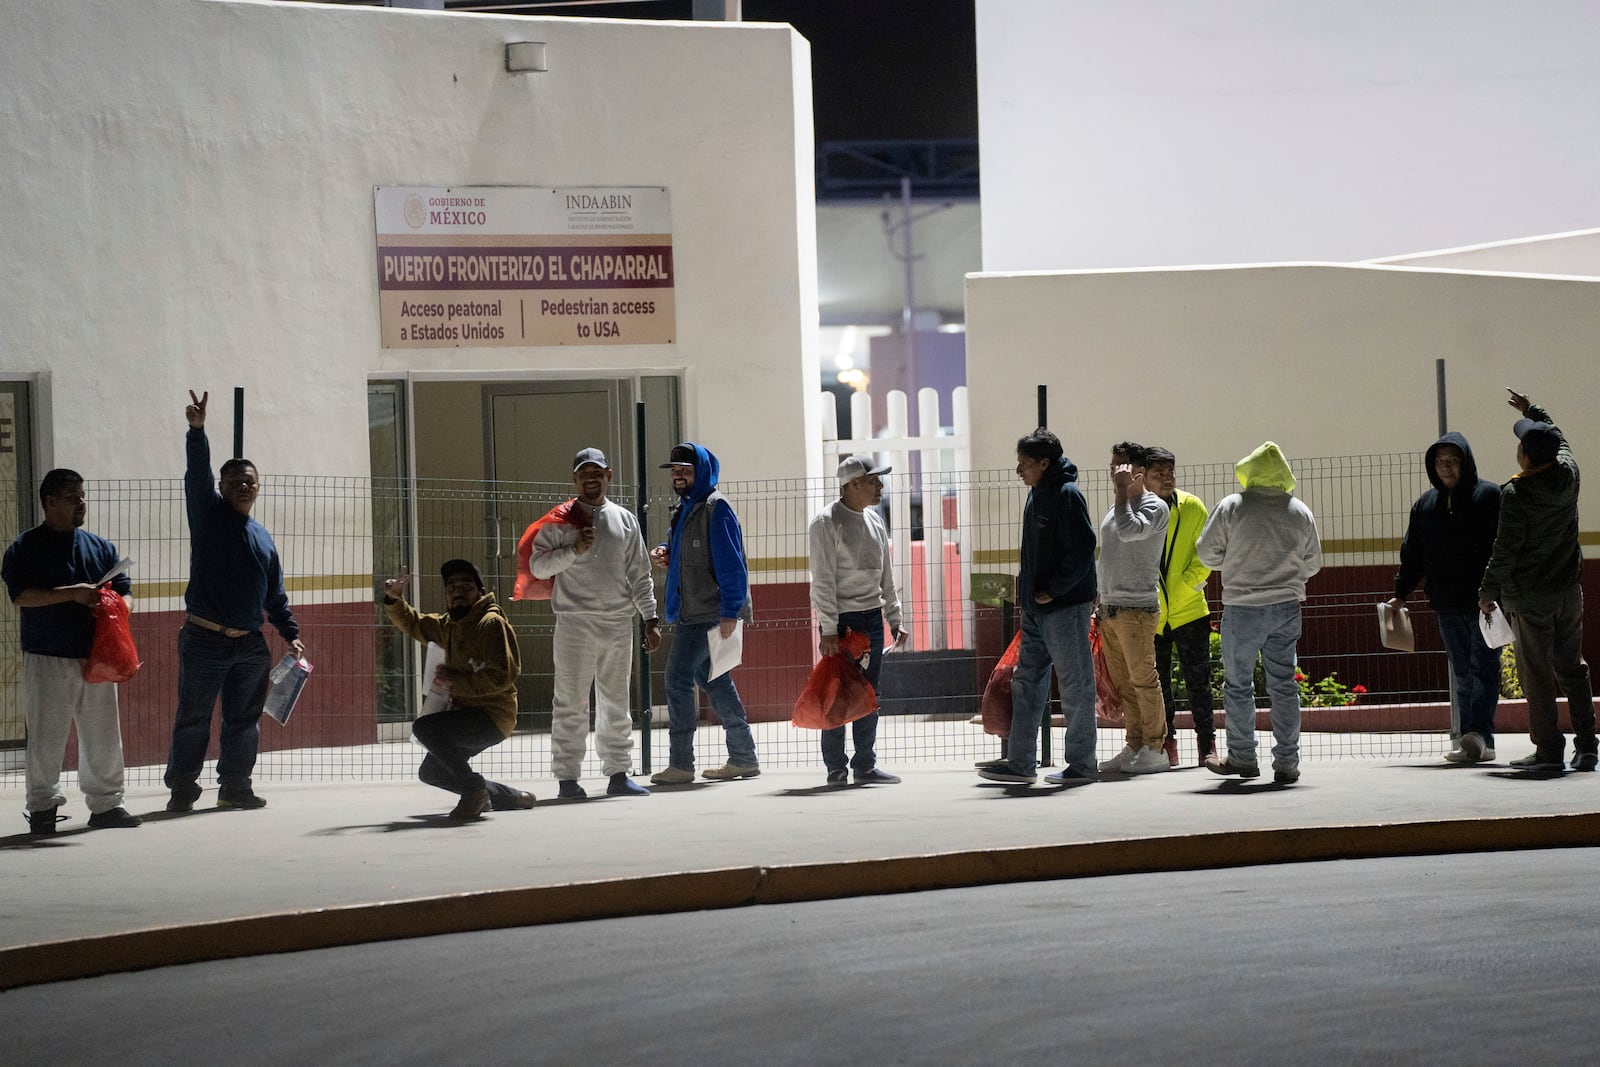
x: 1120, y: 761
x: 1486, y: 756
x: 1471, y: 747
x: 1148, y: 761
x: 1457, y: 755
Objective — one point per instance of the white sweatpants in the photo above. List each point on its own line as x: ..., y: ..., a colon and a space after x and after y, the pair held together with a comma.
x: 57, y: 697
x: 598, y: 650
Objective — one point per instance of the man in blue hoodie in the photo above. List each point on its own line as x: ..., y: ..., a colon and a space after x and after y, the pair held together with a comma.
x: 1056, y: 590
x: 708, y: 589
x: 1447, y: 545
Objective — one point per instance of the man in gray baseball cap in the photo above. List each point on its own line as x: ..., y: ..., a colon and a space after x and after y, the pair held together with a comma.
x: 852, y: 588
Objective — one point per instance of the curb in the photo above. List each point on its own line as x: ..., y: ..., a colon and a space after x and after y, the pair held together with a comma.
x: 318, y: 928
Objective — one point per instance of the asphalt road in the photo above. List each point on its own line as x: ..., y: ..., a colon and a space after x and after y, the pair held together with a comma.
x: 1463, y: 959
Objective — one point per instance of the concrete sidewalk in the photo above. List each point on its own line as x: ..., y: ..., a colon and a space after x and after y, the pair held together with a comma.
x: 332, y: 846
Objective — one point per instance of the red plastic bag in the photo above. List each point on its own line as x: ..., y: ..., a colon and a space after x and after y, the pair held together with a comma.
x: 528, y: 587
x: 838, y: 691
x: 113, y: 657
x: 1107, y: 704
x: 997, y: 693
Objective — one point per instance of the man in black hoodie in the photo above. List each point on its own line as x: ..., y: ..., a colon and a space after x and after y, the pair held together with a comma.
x: 1447, y: 545
x: 1536, y: 575
x: 1056, y: 590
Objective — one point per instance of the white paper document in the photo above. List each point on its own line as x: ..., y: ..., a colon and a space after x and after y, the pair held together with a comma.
x: 1496, y: 630
x: 121, y: 568
x: 1394, y: 628
x: 726, y: 652
x: 434, y: 697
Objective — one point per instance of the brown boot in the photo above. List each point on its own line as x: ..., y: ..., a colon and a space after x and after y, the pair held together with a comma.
x: 473, y: 804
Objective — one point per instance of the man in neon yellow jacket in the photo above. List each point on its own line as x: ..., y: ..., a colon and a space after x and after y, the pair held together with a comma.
x: 1265, y: 543
x: 1185, y: 622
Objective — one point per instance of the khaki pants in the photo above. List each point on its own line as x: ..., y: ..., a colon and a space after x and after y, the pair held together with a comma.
x: 1128, y: 635
x: 59, y: 699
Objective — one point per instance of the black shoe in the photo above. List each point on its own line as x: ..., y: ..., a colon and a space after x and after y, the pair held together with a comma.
x: 471, y: 806
x: 517, y: 801
x: 876, y: 776
x: 243, y: 799
x: 1584, y: 761
x: 1006, y: 772
x: 183, y: 798
x: 117, y: 818
x: 1535, y: 761
x: 42, y: 822
x: 839, y: 777
x: 1227, y: 766
x: 621, y: 785
x: 570, y: 790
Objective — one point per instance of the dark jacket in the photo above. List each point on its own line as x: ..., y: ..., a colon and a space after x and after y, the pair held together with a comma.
x: 1057, y: 542
x: 1450, y: 535
x: 234, y: 571
x: 42, y: 558
x: 707, y: 578
x: 1536, y: 555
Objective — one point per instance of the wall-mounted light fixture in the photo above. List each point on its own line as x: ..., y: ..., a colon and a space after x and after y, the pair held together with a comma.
x: 525, y: 57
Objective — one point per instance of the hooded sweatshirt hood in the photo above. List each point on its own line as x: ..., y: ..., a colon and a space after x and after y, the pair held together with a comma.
x: 1265, y: 468
x: 705, y: 474
x: 1469, y: 465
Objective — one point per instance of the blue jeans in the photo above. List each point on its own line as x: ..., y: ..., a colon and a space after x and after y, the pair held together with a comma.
x: 1059, y: 638
x: 688, y: 664
x: 211, y: 665
x: 865, y: 729
x: 1476, y: 670
x: 1272, y: 630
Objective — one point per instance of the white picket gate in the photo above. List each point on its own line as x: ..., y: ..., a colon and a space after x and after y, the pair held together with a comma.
x: 940, y: 616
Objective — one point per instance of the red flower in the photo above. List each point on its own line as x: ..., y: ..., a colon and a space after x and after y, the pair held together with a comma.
x: 1358, y: 689
x: 1299, y: 677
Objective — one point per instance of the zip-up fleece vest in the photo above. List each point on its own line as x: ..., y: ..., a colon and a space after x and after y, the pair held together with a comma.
x: 699, y: 595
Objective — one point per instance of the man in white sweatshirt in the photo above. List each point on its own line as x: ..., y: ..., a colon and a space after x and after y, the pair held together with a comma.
x: 852, y: 588
x: 1265, y: 544
x: 601, y: 580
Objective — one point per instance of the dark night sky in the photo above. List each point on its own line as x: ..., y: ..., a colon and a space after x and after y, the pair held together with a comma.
x: 879, y: 68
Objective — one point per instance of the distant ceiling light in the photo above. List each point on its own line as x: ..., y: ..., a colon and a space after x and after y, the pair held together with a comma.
x: 525, y: 57
x: 844, y: 361
x: 855, y: 379
x: 952, y: 327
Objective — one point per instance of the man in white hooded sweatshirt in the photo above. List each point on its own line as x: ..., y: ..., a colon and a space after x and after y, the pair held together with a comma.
x: 601, y: 580
x: 1265, y: 544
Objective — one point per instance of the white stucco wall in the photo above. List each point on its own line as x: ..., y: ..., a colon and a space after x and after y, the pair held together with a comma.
x: 1572, y: 254
x: 187, y: 202
x: 1327, y: 360
x: 1122, y: 133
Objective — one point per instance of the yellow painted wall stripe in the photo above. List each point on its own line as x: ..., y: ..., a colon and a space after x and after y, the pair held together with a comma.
x: 988, y: 557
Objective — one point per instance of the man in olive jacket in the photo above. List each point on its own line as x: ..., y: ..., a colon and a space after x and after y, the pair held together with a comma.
x: 1536, y: 575
x: 481, y: 665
